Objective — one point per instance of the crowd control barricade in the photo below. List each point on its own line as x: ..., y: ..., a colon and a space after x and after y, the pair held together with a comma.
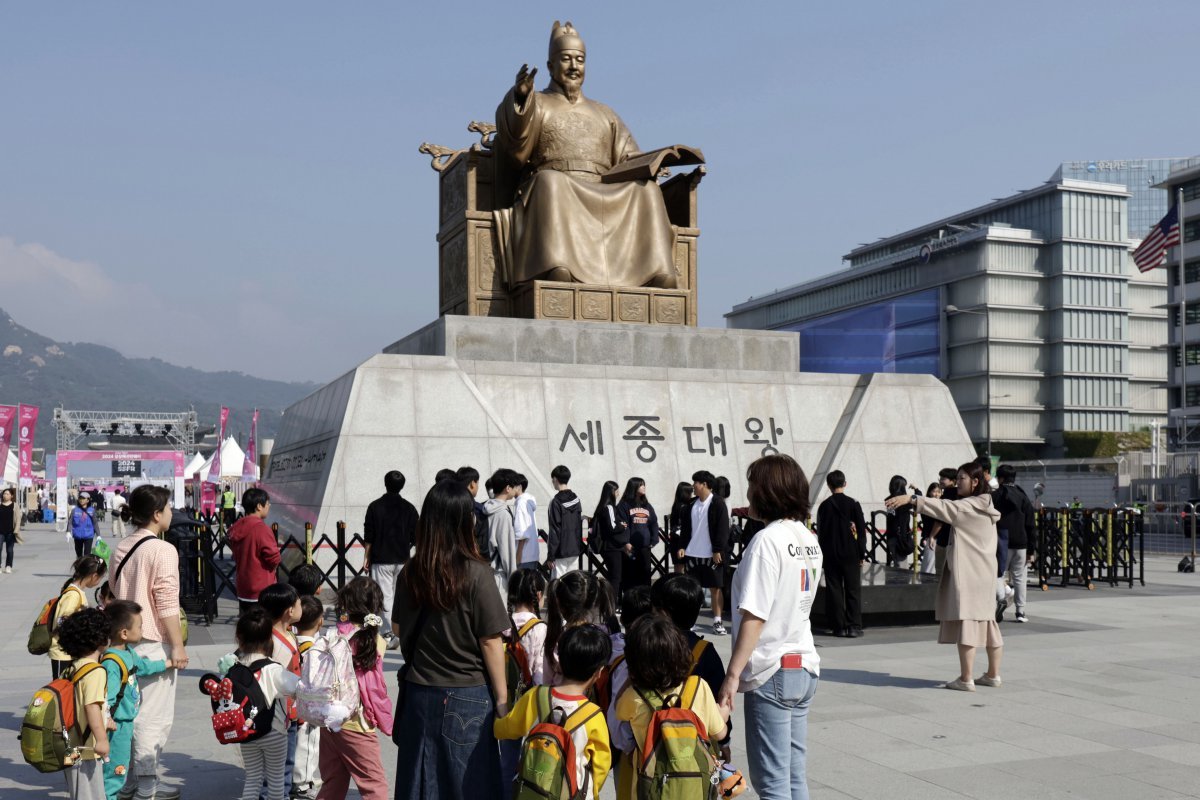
x: 1086, y: 546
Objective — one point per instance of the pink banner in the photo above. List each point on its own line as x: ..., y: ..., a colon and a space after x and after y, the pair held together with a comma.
x: 214, y: 472
x: 26, y: 423
x: 250, y: 463
x: 7, y: 415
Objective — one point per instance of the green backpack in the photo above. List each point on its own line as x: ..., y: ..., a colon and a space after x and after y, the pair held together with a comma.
x: 677, y: 760
x: 49, y: 741
x: 41, y: 635
x: 549, y: 769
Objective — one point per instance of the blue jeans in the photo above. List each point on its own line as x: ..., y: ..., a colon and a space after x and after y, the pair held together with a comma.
x: 447, y: 748
x: 777, y: 734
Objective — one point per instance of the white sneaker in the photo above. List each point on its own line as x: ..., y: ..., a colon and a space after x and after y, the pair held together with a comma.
x: 984, y: 680
x: 718, y: 628
x: 959, y: 685
x: 8, y: 569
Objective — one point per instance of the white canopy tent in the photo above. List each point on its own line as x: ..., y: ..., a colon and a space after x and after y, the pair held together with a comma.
x: 232, y: 458
x: 11, y: 469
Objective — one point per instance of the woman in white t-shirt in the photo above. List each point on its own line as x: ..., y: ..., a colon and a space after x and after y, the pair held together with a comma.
x: 774, y: 661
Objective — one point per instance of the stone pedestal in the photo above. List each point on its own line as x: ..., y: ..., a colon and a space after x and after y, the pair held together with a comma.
x: 610, y: 402
x: 556, y: 342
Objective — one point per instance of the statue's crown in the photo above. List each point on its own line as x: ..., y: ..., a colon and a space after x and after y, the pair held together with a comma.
x: 564, y: 37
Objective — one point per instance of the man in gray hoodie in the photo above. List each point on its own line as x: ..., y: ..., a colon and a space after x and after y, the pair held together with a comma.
x: 500, y: 512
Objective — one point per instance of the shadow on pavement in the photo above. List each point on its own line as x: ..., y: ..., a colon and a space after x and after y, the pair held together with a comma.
x: 861, y: 677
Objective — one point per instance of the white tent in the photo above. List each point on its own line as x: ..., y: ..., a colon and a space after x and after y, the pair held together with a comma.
x: 11, y: 469
x: 231, y: 463
x: 193, y: 467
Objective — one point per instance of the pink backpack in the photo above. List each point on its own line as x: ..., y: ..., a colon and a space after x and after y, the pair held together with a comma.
x: 328, y: 692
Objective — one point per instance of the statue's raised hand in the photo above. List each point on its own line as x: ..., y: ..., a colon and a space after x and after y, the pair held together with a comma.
x: 524, y: 83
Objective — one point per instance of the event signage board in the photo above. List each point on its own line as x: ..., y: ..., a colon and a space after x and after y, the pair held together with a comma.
x: 27, y: 417
x: 67, y: 457
x: 7, y: 415
x: 214, y: 472
x: 250, y: 463
x: 126, y: 468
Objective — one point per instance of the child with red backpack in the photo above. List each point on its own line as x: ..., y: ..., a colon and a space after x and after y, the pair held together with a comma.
x: 566, y: 752
x: 668, y: 718
x: 306, y: 775
x: 353, y: 751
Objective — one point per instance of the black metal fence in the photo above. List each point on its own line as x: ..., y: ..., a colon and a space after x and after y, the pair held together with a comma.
x: 1074, y: 546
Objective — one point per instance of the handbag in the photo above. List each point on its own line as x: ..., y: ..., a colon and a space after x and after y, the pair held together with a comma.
x: 402, y: 673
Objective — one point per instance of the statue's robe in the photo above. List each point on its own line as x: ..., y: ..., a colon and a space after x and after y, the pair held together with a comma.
x: 610, y: 234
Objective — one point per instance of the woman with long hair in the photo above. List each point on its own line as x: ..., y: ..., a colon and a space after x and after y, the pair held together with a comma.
x: 609, y: 533
x: 681, y: 505
x: 898, y: 536
x: 449, y: 618
x: 775, y: 662
x: 10, y: 525
x: 637, y: 515
x: 966, y: 600
x: 145, y: 569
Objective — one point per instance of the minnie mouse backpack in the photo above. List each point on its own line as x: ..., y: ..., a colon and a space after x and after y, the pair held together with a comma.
x: 240, y: 712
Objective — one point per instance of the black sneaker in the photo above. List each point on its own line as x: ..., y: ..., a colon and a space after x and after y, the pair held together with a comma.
x: 1001, y: 607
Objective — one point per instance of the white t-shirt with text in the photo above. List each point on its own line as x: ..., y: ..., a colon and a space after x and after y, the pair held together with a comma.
x: 775, y: 583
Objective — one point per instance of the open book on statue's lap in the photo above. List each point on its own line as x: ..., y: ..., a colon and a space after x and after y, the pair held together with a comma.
x: 646, y: 166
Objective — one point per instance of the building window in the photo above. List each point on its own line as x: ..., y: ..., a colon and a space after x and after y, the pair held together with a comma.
x: 1193, y: 315
x: 1191, y: 230
x: 1191, y: 190
x: 1193, y: 396
x: 1193, y: 353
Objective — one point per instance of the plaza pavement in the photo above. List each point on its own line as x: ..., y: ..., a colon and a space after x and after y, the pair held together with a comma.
x: 1101, y: 699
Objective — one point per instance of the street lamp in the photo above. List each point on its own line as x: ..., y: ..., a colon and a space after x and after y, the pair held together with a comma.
x: 952, y: 310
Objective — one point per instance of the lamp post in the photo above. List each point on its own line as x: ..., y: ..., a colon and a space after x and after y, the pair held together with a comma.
x: 951, y: 310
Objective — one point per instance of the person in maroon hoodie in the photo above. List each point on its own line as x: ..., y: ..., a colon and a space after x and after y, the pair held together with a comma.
x: 255, y: 551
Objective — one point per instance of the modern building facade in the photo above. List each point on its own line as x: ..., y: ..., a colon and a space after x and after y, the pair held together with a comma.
x: 1029, y: 308
x: 1141, y: 176
x: 1184, y: 306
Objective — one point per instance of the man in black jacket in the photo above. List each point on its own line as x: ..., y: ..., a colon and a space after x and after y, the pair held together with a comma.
x: 388, y: 534
x: 1017, y: 518
x: 704, y: 542
x: 564, y: 540
x: 842, y: 532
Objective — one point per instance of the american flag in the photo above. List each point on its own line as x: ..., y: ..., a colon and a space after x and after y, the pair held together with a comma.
x: 1153, y: 249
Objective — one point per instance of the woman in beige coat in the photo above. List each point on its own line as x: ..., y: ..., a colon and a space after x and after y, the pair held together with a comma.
x: 966, y: 601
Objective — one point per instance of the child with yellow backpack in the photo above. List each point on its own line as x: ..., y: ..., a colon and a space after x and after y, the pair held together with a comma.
x: 667, y: 718
x: 565, y: 753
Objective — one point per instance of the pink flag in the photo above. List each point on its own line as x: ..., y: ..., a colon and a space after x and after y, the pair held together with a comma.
x: 27, y: 417
x: 249, y: 473
x: 214, y: 472
x: 7, y: 415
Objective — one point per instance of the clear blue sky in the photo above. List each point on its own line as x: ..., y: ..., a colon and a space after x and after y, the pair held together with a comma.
x: 236, y: 185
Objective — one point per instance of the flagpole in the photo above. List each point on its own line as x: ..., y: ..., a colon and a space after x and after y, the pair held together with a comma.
x: 1183, y: 325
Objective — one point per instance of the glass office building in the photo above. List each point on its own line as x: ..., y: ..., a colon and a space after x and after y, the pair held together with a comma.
x: 1029, y: 308
x: 1147, y: 203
